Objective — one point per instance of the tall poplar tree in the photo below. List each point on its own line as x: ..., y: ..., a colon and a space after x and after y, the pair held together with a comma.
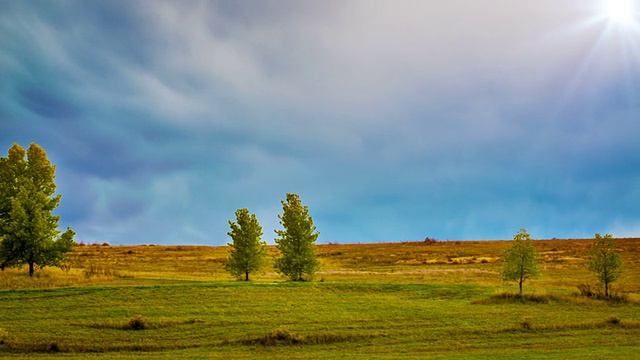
x: 247, y: 253
x: 297, y: 241
x: 520, y: 260
x: 28, y: 229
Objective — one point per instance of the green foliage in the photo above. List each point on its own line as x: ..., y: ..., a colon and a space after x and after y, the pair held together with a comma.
x: 604, y: 261
x: 247, y: 253
x: 520, y: 260
x: 28, y: 228
x: 297, y: 241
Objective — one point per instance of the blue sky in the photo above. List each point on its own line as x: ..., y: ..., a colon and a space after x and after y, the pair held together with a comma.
x: 393, y: 120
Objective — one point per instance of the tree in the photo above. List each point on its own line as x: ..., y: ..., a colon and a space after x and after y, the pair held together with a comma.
x: 520, y: 260
x: 247, y: 253
x: 297, y: 241
x: 28, y: 228
x: 604, y: 261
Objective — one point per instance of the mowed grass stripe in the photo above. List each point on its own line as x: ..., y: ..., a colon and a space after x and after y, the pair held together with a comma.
x: 212, y: 317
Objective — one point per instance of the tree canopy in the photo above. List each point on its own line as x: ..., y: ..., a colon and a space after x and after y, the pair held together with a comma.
x: 247, y: 253
x: 28, y: 229
x: 520, y: 260
x: 297, y: 241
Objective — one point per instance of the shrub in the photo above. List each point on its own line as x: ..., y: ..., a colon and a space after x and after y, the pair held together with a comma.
x: 430, y: 241
x: 613, y: 296
x: 585, y: 290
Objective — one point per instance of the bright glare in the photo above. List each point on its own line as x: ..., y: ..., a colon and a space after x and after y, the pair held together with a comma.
x: 620, y: 11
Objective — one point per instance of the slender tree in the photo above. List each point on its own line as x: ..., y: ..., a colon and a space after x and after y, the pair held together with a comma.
x: 28, y: 228
x: 247, y: 253
x: 520, y: 260
x: 297, y: 241
x: 604, y: 261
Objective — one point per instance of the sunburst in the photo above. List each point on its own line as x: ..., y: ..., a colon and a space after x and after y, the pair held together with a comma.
x: 620, y: 11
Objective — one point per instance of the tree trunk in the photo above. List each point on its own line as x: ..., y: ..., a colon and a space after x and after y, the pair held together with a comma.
x: 521, y: 281
x: 606, y: 289
x: 31, y: 268
x: 246, y: 276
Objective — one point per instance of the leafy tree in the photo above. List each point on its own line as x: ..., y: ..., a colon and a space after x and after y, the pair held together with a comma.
x: 604, y: 261
x: 297, y: 241
x: 28, y: 228
x: 520, y: 260
x: 247, y: 253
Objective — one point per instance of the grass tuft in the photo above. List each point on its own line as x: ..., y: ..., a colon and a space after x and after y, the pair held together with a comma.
x: 526, y: 322
x: 284, y: 336
x: 613, y: 320
x: 139, y: 322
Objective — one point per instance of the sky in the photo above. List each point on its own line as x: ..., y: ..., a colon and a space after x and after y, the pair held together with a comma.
x: 392, y: 120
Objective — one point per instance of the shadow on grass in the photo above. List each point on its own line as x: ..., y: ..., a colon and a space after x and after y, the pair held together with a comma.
x: 509, y: 298
x: 527, y: 324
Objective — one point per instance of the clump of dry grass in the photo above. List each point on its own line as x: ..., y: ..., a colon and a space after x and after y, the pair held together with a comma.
x: 138, y: 322
x: 615, y: 296
x: 284, y: 336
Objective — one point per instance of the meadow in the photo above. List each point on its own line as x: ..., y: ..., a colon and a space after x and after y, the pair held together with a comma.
x: 389, y: 300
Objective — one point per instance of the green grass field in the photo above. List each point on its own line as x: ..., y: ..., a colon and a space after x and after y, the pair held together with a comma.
x: 396, y: 300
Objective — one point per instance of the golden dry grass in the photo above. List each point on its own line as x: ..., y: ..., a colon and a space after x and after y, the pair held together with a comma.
x: 446, y: 262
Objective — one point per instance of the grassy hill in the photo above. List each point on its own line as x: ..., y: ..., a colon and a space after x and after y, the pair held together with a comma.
x: 390, y: 300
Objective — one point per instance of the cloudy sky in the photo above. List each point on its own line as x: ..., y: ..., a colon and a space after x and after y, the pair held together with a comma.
x: 393, y: 120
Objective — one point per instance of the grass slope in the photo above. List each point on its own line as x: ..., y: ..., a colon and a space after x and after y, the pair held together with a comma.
x: 403, y: 300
